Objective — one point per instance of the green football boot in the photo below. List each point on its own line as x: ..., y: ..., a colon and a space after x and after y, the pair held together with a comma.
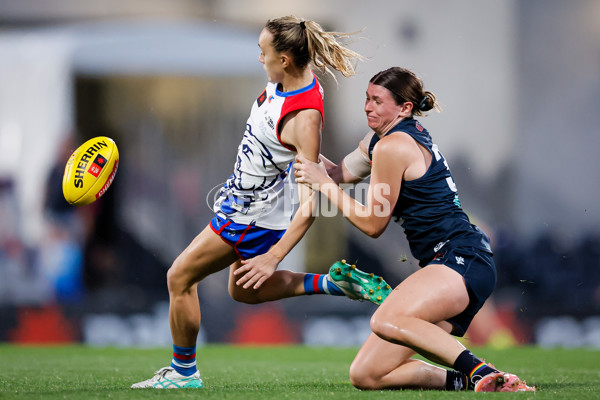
x: 357, y: 284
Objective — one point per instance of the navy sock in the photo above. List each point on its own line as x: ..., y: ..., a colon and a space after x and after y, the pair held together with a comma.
x: 456, y: 381
x: 472, y: 366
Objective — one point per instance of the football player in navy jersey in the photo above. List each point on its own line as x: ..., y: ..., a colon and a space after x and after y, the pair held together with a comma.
x: 411, y: 182
x: 252, y: 215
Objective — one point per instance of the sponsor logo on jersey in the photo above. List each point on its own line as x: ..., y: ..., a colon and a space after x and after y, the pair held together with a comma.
x: 460, y: 260
x: 419, y: 126
x: 261, y: 99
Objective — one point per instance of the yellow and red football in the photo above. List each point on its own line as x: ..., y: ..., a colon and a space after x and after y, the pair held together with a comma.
x: 90, y: 171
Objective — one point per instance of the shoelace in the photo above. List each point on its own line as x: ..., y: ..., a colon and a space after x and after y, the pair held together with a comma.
x: 161, y: 373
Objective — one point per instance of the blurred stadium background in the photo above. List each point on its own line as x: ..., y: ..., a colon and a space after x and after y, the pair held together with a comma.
x: 172, y: 82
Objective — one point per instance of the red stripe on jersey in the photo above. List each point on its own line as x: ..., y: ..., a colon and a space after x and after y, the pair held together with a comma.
x: 312, y: 99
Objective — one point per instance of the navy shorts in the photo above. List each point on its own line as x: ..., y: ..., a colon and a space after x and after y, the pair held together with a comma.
x: 247, y: 240
x: 479, y: 272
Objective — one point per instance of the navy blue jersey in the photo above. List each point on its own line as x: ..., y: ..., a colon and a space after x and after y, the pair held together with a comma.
x: 428, y: 208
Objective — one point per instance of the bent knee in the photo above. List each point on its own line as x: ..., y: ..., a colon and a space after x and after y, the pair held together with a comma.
x: 172, y: 277
x: 178, y: 280
x: 379, y: 325
x: 396, y: 332
x: 361, y: 379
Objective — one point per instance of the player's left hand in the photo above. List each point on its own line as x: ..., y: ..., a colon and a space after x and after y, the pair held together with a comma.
x: 256, y: 270
x: 310, y: 173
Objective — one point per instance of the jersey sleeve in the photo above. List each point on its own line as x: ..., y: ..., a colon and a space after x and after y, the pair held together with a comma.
x: 312, y: 99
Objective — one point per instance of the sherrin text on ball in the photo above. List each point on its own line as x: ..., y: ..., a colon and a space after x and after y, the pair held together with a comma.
x: 90, y: 171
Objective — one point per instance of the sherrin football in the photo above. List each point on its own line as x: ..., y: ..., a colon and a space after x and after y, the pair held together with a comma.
x: 90, y: 171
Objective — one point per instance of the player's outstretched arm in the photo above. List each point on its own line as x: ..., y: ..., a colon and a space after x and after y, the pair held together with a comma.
x: 353, y: 168
x: 372, y: 218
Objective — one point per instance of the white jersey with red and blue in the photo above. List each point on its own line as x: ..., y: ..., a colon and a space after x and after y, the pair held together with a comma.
x: 255, y: 193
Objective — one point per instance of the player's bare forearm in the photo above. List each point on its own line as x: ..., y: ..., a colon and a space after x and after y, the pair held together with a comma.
x: 255, y: 271
x: 333, y: 169
x: 338, y: 172
x: 365, y: 217
x: 301, y: 222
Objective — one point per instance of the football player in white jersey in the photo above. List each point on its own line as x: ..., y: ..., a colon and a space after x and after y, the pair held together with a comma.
x: 251, y: 217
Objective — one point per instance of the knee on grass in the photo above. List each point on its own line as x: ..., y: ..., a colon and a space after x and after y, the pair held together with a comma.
x: 361, y: 379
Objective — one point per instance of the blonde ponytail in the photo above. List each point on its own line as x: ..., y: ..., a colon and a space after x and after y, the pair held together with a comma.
x: 325, y: 49
x: 307, y: 42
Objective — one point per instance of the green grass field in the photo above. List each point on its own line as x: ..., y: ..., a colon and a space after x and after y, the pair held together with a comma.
x: 78, y: 372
